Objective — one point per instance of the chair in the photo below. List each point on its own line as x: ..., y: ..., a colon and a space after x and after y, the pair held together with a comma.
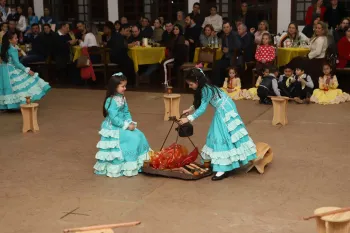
x: 205, y: 55
x: 44, y: 65
x: 105, y: 66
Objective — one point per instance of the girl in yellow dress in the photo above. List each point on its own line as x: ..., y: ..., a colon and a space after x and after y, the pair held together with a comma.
x: 232, y: 85
x: 252, y: 93
x: 328, y: 92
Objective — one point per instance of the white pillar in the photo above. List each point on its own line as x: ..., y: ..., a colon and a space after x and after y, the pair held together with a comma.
x: 113, y: 13
x: 38, y: 7
x: 190, y: 5
x: 284, y: 16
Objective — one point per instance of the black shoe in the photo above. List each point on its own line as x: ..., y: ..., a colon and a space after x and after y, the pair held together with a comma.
x: 223, y: 176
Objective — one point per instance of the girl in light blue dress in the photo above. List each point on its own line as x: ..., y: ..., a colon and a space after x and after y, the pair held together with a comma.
x: 16, y: 80
x: 228, y: 144
x: 122, y: 148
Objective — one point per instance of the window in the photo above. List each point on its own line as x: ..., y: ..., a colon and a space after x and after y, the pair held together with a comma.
x: 299, y: 9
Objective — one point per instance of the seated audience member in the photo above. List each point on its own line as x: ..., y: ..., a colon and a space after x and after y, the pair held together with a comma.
x: 146, y: 30
x: 39, y: 51
x: 252, y: 93
x: 117, y: 25
x: 292, y: 36
x: 47, y: 19
x: 231, y: 45
x: 214, y: 19
x: 344, y: 51
x: 269, y: 86
x: 22, y: 21
x: 119, y: 52
x: 334, y: 14
x: 48, y: 39
x: 247, y: 44
x: 176, y: 53
x: 262, y: 29
x: 167, y: 34
x: 232, y: 85
x: 4, y: 29
x: 123, y: 20
x: 13, y: 15
x: 309, y: 30
x: 286, y: 82
x: 192, y: 33
x: 180, y: 19
x: 198, y: 19
x: 340, y: 31
x: 315, y: 59
x: 265, y: 53
x: 208, y: 36
x: 88, y: 38
x: 328, y: 92
x: 135, y: 39
x: 32, y: 18
x: 157, y: 31
x: 302, y: 86
x: 12, y: 28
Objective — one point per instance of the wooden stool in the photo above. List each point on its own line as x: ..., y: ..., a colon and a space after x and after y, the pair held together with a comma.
x: 172, y: 106
x: 279, y: 110
x: 29, y: 114
x: 334, y: 223
x: 264, y: 156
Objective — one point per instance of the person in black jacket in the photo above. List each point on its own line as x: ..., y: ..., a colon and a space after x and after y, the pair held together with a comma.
x: 192, y: 33
x: 119, y: 52
x: 178, y: 51
x: 247, y: 44
x: 39, y: 51
x: 167, y: 34
x: 231, y: 44
x: 146, y: 30
x: 248, y: 18
x: 195, y: 14
x: 334, y: 14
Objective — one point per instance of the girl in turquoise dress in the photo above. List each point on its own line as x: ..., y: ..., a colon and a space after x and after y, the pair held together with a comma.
x: 17, y: 81
x: 122, y: 148
x: 228, y: 144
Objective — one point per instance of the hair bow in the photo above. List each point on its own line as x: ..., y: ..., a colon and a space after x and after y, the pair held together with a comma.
x: 118, y: 74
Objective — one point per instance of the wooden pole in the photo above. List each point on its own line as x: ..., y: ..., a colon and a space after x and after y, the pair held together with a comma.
x: 342, y: 210
x: 99, y: 227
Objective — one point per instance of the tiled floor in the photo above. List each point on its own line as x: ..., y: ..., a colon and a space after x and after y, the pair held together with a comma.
x: 45, y: 175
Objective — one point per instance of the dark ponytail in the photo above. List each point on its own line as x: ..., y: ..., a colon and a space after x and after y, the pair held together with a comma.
x: 6, y: 45
x: 113, y: 84
x: 196, y: 75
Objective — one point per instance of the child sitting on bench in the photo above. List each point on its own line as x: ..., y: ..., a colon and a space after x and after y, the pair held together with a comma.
x: 269, y: 87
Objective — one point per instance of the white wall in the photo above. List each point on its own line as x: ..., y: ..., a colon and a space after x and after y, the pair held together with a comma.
x: 190, y: 5
x: 39, y: 8
x: 283, y: 15
x: 113, y: 14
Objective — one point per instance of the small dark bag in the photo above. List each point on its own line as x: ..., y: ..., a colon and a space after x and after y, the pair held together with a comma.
x: 185, y: 130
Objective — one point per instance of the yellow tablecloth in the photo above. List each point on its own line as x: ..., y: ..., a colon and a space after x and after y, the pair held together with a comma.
x: 219, y: 54
x: 285, y: 55
x: 146, y: 56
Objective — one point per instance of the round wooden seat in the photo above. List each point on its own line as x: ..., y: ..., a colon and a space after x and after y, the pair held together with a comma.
x: 334, y: 223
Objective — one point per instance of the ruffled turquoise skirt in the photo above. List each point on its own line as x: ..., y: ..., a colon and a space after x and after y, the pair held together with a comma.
x: 16, y: 84
x: 121, y: 152
x: 228, y: 144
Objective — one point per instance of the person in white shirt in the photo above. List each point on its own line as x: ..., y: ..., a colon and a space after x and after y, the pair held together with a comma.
x: 214, y: 19
x: 88, y: 38
x: 22, y: 22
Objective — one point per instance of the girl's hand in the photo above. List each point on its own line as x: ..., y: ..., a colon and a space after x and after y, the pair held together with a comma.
x: 183, y: 121
x: 131, y: 127
x: 187, y: 111
x: 31, y: 73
